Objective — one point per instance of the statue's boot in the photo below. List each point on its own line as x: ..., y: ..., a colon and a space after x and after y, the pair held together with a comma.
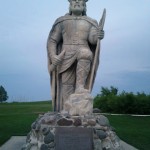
x: 82, y: 72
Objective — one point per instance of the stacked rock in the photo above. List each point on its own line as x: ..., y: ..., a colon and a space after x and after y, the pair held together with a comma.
x: 42, y: 134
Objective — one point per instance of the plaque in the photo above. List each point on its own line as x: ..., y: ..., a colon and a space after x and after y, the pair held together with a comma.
x: 74, y: 138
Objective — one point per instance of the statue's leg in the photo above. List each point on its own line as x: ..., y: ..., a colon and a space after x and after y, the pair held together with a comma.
x: 68, y: 82
x: 83, y: 69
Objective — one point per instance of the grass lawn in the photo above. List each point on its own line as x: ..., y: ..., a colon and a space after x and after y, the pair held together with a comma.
x: 16, y: 119
x: 133, y: 130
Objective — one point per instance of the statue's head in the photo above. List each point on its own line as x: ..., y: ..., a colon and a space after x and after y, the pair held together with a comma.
x: 77, y: 7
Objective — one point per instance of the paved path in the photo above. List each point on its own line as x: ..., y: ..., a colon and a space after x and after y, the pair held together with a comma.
x: 126, y: 146
x: 16, y: 142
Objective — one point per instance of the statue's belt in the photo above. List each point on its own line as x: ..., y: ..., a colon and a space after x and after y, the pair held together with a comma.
x: 75, y: 41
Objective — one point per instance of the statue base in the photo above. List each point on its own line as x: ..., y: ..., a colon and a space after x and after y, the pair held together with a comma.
x: 56, y: 131
x: 79, y: 104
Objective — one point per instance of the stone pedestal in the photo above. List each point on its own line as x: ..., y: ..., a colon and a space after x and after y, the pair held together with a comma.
x: 45, y: 131
x: 79, y: 104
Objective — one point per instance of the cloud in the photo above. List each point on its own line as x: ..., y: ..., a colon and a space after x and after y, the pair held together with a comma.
x: 23, y: 34
x: 130, y: 80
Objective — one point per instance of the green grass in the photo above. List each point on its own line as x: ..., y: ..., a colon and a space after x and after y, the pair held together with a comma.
x: 16, y: 119
x: 133, y: 130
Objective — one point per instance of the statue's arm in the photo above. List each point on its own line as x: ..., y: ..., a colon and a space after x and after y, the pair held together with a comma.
x: 53, y: 39
x: 95, y: 33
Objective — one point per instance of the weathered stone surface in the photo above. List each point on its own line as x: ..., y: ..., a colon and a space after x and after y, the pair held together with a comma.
x: 72, y: 58
x: 103, y: 121
x: 49, y: 138
x: 99, y: 127
x: 101, y: 134
x: 44, y: 147
x: 51, y: 145
x: 97, y: 144
x: 64, y: 122
x: 77, y: 122
x: 85, y: 124
x: 36, y: 126
x: 92, y: 122
x: 45, y: 130
x: 49, y: 119
x: 79, y: 104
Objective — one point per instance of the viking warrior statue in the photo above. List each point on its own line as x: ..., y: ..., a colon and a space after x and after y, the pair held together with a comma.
x: 71, y: 49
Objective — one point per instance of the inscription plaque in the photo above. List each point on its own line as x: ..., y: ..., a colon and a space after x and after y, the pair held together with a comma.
x: 74, y: 138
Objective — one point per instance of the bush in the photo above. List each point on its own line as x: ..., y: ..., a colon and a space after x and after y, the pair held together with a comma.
x: 126, y: 103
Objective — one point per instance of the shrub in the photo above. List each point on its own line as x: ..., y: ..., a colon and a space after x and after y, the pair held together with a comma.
x: 126, y: 103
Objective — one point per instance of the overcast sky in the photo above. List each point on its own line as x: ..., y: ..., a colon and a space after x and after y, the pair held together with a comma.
x: 24, y: 28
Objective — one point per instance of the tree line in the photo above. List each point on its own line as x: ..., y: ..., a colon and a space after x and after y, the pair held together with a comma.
x: 111, y: 101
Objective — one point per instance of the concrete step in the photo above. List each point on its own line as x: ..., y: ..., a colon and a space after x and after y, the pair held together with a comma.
x: 16, y: 143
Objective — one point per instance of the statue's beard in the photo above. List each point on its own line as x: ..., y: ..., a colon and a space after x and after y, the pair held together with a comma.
x: 77, y: 9
x: 77, y: 5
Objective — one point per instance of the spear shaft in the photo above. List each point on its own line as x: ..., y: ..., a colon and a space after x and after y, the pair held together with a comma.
x: 97, y: 51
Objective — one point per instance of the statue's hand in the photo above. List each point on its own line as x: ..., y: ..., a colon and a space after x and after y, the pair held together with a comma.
x: 56, y: 60
x: 100, y: 33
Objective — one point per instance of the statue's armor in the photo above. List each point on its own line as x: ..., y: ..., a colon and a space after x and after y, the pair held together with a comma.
x: 76, y: 33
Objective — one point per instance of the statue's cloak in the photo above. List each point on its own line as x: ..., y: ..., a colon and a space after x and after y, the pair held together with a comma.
x: 55, y: 80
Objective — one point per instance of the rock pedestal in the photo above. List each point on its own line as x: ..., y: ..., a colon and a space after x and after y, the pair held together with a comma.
x: 79, y: 104
x: 43, y: 131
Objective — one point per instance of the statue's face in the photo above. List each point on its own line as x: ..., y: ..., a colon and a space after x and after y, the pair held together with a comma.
x: 77, y: 6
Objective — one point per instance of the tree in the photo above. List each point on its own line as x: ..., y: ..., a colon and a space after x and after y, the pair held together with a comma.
x: 3, y: 94
x: 106, y: 91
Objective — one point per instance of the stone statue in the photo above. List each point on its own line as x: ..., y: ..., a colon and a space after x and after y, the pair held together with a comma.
x: 71, y: 49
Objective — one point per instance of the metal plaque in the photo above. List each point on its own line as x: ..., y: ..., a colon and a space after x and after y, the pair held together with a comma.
x: 74, y: 138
